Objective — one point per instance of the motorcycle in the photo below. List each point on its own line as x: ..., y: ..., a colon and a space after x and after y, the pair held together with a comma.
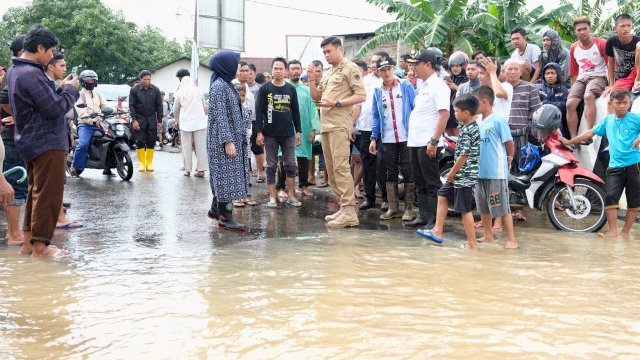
x: 109, y: 146
x: 447, y: 155
x: 171, y: 135
x: 574, y: 196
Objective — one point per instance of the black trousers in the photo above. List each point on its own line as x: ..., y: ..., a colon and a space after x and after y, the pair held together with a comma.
x: 303, y: 176
x: 396, y: 159
x: 426, y: 171
x: 373, y: 167
x: 147, y: 136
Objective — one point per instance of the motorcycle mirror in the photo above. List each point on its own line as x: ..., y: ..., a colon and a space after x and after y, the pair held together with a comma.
x: 81, y: 106
x: 107, y: 110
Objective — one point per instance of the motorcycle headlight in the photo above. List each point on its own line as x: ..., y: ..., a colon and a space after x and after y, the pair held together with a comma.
x: 119, y: 132
x: 119, y: 127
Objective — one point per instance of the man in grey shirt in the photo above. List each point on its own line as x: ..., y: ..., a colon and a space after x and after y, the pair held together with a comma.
x: 527, y: 53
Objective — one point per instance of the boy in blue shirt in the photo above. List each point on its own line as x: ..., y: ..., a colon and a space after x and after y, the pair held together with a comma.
x: 496, y: 155
x: 463, y: 175
x: 623, y: 132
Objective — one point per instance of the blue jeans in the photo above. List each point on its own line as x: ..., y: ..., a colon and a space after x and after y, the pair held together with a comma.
x: 85, y: 132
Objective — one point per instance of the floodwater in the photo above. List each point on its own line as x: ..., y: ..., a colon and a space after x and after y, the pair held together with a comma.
x: 150, y: 278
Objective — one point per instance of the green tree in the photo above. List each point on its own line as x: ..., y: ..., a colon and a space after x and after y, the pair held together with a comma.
x: 468, y: 25
x: 93, y: 36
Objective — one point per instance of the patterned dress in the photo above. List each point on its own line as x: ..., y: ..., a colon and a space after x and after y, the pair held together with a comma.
x: 229, y: 176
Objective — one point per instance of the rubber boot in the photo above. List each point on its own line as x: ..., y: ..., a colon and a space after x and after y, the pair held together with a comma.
x: 392, y: 198
x: 142, y: 158
x: 149, y: 160
x: 423, y: 210
x: 213, y: 213
x: 347, y: 218
x: 409, y: 200
x: 432, y: 206
x: 225, y: 219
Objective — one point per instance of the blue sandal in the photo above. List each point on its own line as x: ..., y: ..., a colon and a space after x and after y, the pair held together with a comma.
x: 426, y: 233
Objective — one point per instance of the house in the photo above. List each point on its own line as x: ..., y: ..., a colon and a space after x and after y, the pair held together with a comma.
x: 164, y: 76
x: 353, y: 42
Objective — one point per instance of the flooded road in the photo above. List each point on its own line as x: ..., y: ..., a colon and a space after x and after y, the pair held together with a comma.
x: 149, y: 277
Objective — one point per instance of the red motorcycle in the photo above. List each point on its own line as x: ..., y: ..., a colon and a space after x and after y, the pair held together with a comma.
x: 574, y: 196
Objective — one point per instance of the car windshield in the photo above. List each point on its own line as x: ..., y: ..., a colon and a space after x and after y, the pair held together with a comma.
x: 111, y: 92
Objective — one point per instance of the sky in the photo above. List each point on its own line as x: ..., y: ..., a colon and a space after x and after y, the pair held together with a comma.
x: 267, y: 22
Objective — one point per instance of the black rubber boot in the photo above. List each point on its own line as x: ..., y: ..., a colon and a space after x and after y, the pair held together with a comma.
x: 423, y: 211
x: 226, y: 220
x: 213, y: 211
x: 432, y: 206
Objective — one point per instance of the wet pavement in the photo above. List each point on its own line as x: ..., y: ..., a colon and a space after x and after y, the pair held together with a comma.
x: 149, y: 276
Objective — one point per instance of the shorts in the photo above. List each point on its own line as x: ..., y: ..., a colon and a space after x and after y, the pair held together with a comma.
x: 462, y: 198
x: 588, y: 84
x: 492, y: 197
x: 255, y: 148
x: 355, y: 145
x: 619, y: 179
x: 627, y: 82
x: 12, y: 159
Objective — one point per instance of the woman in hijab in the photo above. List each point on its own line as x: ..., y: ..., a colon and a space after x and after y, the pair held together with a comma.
x: 226, y: 141
x: 553, y: 51
x: 189, y: 112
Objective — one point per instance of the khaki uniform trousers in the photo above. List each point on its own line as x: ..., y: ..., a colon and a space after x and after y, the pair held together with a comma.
x: 336, y: 147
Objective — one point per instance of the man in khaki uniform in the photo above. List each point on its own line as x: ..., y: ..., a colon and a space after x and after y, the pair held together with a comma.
x: 341, y: 87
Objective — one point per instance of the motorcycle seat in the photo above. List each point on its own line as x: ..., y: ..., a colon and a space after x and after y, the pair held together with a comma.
x: 519, y: 182
x: 97, y: 134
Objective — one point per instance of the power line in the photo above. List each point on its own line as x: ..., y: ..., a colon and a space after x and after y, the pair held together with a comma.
x: 315, y: 12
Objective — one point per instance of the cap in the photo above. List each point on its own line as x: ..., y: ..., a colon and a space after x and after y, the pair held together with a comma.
x: 427, y: 55
x: 385, y: 61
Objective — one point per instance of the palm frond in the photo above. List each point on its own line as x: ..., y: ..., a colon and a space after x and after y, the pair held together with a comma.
x: 436, y: 31
x: 400, y: 26
x: 376, y: 41
x: 417, y: 34
x: 606, y: 24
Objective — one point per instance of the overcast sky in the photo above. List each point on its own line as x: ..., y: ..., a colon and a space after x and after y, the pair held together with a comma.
x: 266, y: 25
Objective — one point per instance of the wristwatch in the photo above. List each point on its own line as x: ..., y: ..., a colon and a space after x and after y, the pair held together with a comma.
x: 338, y: 104
x: 434, y: 141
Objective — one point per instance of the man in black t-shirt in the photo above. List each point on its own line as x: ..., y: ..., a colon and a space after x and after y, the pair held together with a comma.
x: 621, y: 50
x: 278, y: 126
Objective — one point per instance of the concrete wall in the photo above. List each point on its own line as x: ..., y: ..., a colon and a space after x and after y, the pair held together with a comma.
x: 165, y: 78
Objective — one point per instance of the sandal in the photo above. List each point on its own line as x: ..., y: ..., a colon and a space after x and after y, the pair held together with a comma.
x: 251, y: 202
x: 186, y: 173
x: 272, y: 205
x: 260, y: 179
x: 199, y: 173
x: 238, y: 203
x: 294, y: 203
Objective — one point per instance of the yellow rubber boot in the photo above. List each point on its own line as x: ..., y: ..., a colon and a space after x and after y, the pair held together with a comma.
x: 149, y: 161
x: 142, y: 160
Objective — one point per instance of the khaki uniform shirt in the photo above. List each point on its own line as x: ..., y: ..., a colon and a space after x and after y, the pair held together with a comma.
x: 338, y: 83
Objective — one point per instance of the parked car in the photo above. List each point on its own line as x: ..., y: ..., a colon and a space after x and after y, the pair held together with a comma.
x: 117, y: 96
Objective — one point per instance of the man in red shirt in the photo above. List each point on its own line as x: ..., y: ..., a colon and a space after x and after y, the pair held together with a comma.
x: 588, y: 72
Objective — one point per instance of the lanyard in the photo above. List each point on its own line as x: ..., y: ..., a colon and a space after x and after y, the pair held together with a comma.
x: 393, y: 114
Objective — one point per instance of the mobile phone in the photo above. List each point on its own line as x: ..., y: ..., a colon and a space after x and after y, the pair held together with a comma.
x: 74, y: 71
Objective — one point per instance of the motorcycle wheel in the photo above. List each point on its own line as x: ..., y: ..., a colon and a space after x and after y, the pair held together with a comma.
x: 124, y: 165
x: 68, y: 163
x: 590, y: 214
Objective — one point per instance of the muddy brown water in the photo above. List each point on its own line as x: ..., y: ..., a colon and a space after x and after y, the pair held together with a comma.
x: 147, y: 281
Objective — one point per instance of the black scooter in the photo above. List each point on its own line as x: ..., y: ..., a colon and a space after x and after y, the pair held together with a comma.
x: 108, y: 148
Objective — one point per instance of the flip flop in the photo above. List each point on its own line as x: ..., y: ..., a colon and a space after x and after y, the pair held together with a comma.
x: 238, y: 203
x: 260, y: 179
x: 294, y: 203
x: 18, y: 244
x: 71, y: 225
x: 429, y: 235
x: 272, y: 205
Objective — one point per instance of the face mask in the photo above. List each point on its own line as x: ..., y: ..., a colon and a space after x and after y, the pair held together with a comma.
x: 89, y: 86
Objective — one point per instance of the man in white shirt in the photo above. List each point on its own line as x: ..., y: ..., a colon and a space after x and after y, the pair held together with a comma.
x: 488, y: 73
x: 370, y: 164
x: 426, y: 125
x: 588, y: 72
x: 527, y: 53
